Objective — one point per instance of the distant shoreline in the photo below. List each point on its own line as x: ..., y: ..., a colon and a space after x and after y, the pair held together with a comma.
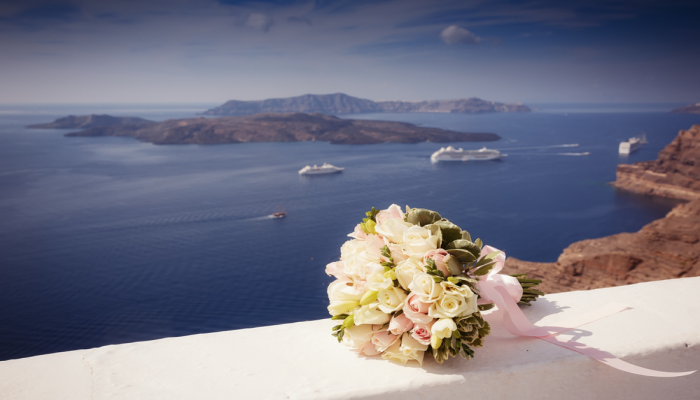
x: 266, y: 127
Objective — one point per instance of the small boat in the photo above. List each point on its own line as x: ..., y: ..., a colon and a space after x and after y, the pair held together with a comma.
x: 280, y: 214
x: 323, y: 169
x: 452, y: 154
x: 632, y: 144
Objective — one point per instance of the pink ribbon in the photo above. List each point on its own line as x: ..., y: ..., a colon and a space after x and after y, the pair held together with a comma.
x: 505, y: 291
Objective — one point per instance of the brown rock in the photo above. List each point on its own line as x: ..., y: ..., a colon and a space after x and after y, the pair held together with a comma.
x: 676, y: 174
x: 664, y: 249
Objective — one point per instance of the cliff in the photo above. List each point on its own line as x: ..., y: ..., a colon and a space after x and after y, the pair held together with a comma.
x: 88, y: 121
x: 664, y: 249
x: 691, y: 109
x: 291, y: 127
x: 340, y: 103
x: 676, y: 173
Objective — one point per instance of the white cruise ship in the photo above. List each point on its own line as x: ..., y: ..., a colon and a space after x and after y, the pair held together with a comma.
x: 452, y: 154
x: 632, y: 144
x: 323, y: 169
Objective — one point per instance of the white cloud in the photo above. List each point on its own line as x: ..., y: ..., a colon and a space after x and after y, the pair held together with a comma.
x: 454, y: 34
x: 259, y: 21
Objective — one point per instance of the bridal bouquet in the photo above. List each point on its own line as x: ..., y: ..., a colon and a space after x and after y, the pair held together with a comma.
x: 410, y: 283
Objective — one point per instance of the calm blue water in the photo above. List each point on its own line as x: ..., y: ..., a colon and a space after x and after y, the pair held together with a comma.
x: 108, y: 240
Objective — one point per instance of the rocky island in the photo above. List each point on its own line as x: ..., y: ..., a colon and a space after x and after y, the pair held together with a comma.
x: 691, y: 109
x: 273, y: 127
x: 88, y: 121
x: 339, y: 103
x: 664, y: 249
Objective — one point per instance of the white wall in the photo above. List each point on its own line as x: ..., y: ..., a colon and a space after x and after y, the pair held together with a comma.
x: 303, y: 361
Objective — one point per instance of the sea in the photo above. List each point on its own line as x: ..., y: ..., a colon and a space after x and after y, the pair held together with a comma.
x: 110, y: 240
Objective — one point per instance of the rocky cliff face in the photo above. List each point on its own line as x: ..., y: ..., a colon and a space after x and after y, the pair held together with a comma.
x: 664, y: 249
x: 272, y: 127
x: 676, y: 173
x: 340, y: 103
x: 691, y: 109
x: 88, y: 121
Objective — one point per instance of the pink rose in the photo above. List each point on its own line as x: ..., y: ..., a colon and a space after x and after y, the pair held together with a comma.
x: 400, y: 324
x: 374, y: 246
x: 421, y: 332
x: 393, y: 211
x: 370, y: 349
x: 439, y: 257
x: 383, y: 340
x: 336, y: 269
x: 397, y: 253
x: 358, y: 233
x: 416, y: 310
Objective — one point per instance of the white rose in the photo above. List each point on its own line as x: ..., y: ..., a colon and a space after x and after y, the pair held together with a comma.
x: 406, y: 270
x: 352, y: 248
x: 394, y: 354
x: 443, y: 328
x: 391, y: 299
x: 358, y: 336
x: 393, y: 229
x: 424, y: 285
x: 469, y: 297
x: 413, y: 348
x: 343, y: 298
x: 376, y: 280
x: 355, y: 265
x: 369, y: 314
x: 449, y: 305
x: 397, y: 253
x: 418, y: 240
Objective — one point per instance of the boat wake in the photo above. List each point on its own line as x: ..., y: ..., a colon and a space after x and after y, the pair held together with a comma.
x: 541, y: 147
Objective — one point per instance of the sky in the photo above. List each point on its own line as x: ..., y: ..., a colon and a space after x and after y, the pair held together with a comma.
x: 170, y: 51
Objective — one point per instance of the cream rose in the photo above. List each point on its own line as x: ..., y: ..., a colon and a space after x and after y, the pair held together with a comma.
x: 413, y: 348
x: 406, y: 270
x: 424, y: 285
x: 448, y: 306
x: 352, y: 248
x: 394, y: 354
x: 393, y: 229
x: 391, y: 299
x: 418, y: 240
x: 343, y: 298
x: 369, y: 314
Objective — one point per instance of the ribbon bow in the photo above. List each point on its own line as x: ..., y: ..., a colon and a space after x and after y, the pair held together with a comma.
x: 505, y: 291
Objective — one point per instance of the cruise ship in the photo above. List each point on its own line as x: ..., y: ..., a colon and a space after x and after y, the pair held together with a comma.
x: 452, y: 154
x: 323, y: 169
x: 632, y: 144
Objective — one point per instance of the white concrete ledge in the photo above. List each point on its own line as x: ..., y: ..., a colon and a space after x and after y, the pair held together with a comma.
x: 302, y: 360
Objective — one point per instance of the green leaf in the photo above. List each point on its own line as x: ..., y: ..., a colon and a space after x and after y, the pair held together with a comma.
x: 385, y: 252
x: 340, y: 316
x: 462, y: 244
x: 466, y: 236
x: 449, y: 230
x: 435, y: 231
x: 484, y: 270
x: 421, y: 216
x: 485, y: 307
x: 463, y: 256
x: 479, y: 243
